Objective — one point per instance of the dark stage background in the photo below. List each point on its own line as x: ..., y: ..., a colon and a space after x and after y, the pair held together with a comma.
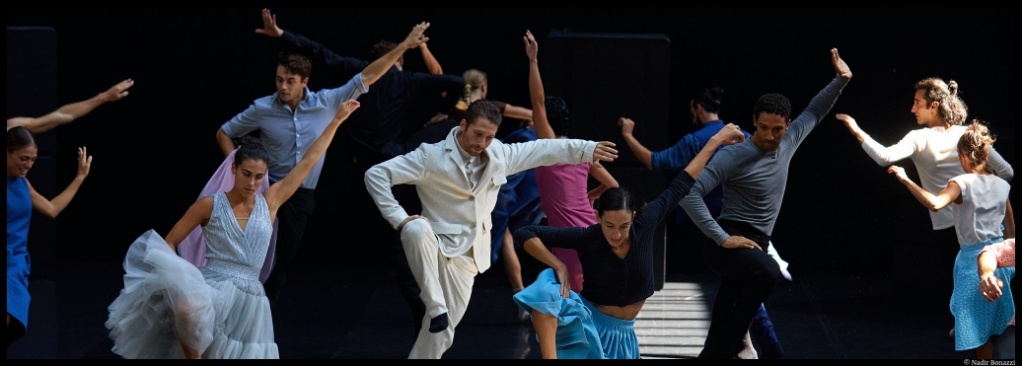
x: 195, y: 68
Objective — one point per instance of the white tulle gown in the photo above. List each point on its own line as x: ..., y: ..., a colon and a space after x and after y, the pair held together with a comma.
x: 221, y: 310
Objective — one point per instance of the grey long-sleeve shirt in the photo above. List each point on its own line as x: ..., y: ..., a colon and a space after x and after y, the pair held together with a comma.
x: 754, y: 180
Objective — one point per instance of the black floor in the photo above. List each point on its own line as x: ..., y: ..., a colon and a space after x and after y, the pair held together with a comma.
x: 333, y: 313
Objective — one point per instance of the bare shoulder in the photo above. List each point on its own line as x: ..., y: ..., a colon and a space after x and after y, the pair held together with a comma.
x: 203, y: 204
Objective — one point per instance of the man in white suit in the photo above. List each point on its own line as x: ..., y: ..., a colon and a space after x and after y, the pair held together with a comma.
x: 457, y: 181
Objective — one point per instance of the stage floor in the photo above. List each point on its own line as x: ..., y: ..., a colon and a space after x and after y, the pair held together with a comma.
x: 338, y: 313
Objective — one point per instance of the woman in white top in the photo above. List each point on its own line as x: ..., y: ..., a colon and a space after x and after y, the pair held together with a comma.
x: 980, y: 199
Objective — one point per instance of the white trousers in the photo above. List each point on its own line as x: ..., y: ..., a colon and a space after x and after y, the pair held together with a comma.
x: 445, y: 283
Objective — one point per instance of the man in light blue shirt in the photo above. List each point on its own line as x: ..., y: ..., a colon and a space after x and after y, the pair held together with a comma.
x: 288, y: 122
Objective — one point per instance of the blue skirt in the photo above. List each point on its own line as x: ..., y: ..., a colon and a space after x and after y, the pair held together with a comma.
x: 976, y: 318
x: 582, y: 330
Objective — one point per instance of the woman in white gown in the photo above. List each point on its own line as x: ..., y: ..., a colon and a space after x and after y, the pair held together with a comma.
x: 171, y: 309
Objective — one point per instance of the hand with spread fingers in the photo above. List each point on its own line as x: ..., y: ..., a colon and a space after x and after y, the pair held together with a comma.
x: 605, y: 151
x: 270, y: 27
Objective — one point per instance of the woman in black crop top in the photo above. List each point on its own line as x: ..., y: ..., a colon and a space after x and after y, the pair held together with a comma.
x: 617, y: 258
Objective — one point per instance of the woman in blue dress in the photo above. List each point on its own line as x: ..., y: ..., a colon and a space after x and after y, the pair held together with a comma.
x: 168, y: 308
x: 22, y: 199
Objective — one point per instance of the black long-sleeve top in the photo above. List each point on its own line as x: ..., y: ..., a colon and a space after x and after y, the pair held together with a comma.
x: 610, y: 280
x: 396, y: 102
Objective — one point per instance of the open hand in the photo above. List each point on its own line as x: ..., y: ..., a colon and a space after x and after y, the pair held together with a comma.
x: 990, y: 287
x: 270, y: 27
x: 531, y: 47
x: 740, y: 242
x: 84, y: 162
x: 118, y: 91
x: 562, y: 278
x: 839, y: 65
x: 604, y: 152
x: 417, y: 36
x: 848, y: 120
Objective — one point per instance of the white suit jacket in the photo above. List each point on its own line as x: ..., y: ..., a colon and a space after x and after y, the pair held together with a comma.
x: 458, y: 213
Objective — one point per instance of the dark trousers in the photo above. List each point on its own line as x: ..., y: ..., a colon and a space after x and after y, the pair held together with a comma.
x: 14, y: 331
x: 748, y: 276
x: 762, y: 333
x: 293, y: 216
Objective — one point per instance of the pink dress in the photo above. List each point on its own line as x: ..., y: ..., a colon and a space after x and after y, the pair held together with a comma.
x: 564, y: 196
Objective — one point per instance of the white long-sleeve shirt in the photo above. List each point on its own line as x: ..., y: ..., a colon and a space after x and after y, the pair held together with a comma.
x: 934, y: 151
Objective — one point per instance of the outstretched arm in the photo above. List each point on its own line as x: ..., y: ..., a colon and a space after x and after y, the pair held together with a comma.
x: 853, y: 127
x: 282, y: 190
x: 604, y: 152
x: 730, y: 134
x: 882, y: 155
x: 270, y: 28
x: 70, y: 112
x: 641, y: 152
x: 657, y: 209
x: 52, y: 208
x: 821, y: 104
x: 513, y: 111
x: 536, y: 92
x: 840, y: 67
x: 951, y: 193
x: 545, y: 152
x: 432, y: 65
x: 380, y: 66
x: 322, y: 54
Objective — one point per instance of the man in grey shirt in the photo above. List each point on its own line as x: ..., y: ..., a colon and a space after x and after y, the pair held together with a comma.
x: 288, y: 122
x: 754, y: 175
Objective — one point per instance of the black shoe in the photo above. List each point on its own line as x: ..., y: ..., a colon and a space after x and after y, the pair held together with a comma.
x: 438, y: 324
